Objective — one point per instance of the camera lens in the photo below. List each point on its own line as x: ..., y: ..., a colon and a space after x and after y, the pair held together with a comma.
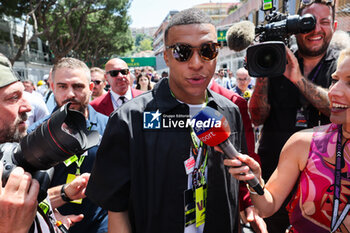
x: 266, y: 57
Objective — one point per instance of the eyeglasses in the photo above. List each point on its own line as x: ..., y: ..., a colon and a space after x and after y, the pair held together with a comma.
x: 115, y: 73
x: 96, y: 82
x: 309, y: 2
x: 183, y: 52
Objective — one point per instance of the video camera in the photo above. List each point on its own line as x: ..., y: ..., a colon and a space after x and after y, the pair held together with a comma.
x: 63, y: 135
x: 268, y: 58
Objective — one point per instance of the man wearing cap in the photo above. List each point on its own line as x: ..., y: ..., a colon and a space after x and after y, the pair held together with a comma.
x: 18, y: 197
x: 118, y: 77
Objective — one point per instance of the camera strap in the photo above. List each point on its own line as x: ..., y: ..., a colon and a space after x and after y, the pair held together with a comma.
x: 336, y: 219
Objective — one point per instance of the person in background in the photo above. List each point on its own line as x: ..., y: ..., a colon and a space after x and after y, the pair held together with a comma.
x: 221, y: 79
x: 98, y: 78
x: 71, y: 83
x: 231, y: 80
x: 164, y: 74
x: 143, y: 83
x: 243, y: 80
x: 118, y: 77
x: 30, y: 88
x: 317, y: 161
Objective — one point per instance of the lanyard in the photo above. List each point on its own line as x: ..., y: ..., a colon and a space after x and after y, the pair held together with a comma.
x: 201, y: 153
x: 78, y: 161
x: 335, y: 223
x: 317, y: 71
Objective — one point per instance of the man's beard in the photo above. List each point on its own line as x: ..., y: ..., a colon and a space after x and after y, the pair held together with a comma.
x: 81, y: 107
x: 12, y: 133
x: 303, y: 50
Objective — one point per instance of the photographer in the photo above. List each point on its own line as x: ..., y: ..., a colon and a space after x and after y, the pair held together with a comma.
x: 19, y: 210
x: 299, y: 99
x: 71, y: 82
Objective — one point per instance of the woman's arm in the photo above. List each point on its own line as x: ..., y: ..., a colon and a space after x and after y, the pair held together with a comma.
x: 292, y: 160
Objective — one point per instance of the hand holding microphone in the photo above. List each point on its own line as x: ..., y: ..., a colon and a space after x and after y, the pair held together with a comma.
x: 212, y: 128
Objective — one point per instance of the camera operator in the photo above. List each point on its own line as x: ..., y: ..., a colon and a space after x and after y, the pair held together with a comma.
x: 19, y: 211
x: 299, y: 99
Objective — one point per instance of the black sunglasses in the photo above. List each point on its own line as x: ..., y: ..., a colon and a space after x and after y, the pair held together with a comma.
x: 309, y: 2
x: 183, y: 52
x: 114, y: 73
x: 97, y: 82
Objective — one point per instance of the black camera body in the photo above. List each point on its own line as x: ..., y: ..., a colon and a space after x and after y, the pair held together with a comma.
x: 268, y: 58
x: 63, y: 135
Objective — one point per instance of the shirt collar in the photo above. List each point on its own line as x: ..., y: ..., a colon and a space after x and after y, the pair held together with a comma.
x: 127, y: 95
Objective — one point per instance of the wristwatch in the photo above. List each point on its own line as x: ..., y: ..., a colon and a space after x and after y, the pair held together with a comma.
x: 64, y: 195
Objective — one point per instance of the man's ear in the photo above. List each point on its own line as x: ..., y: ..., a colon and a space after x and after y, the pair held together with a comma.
x: 166, y: 59
x: 335, y: 25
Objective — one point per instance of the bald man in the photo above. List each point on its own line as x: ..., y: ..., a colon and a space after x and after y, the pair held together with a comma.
x: 118, y: 76
x: 242, y: 80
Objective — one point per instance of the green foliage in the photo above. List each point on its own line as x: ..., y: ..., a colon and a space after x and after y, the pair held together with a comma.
x: 142, y: 42
x: 146, y: 44
x: 87, y: 29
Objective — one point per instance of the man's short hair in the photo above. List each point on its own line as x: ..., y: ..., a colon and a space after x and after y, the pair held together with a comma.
x: 97, y: 69
x: 188, y: 16
x: 71, y: 63
x: 302, y: 7
x: 7, y: 75
x: 28, y: 81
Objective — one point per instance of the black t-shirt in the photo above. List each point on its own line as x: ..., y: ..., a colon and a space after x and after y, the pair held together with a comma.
x: 285, y: 100
x: 143, y: 171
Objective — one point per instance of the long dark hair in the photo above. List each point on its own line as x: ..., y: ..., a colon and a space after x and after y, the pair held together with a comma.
x: 138, y: 86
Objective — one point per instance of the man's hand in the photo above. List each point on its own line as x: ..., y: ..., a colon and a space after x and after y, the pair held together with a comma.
x: 76, y: 189
x: 292, y: 71
x: 250, y: 215
x: 18, y: 201
x: 68, y: 220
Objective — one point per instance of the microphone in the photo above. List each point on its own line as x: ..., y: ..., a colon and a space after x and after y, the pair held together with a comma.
x: 240, y: 35
x: 212, y: 128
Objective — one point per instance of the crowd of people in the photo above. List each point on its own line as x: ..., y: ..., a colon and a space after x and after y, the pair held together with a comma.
x: 140, y: 179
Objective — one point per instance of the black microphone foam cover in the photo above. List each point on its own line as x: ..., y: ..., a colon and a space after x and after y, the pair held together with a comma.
x: 240, y: 35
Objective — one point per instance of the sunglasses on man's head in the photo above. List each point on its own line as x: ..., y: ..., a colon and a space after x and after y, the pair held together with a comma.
x: 309, y: 2
x: 183, y: 52
x: 96, y: 82
x: 115, y: 73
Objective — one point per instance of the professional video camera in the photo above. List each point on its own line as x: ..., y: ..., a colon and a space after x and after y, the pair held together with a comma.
x: 268, y: 58
x: 63, y: 135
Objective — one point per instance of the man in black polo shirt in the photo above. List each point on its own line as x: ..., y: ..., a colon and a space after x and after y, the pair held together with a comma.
x: 140, y: 173
x: 298, y: 100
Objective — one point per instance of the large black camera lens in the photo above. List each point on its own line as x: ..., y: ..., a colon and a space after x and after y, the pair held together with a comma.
x: 267, y: 59
x: 54, y: 141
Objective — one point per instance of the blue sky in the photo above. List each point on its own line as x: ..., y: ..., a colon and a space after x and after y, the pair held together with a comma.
x: 150, y: 13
